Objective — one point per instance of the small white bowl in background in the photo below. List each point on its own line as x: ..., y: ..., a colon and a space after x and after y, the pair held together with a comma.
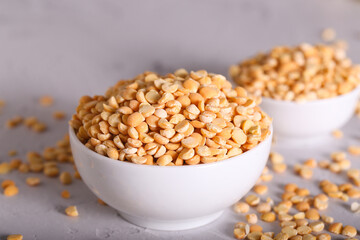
x: 170, y: 198
x: 313, y: 118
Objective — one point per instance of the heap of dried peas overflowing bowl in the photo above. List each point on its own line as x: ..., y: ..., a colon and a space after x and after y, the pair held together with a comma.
x: 177, y: 119
x: 300, y: 73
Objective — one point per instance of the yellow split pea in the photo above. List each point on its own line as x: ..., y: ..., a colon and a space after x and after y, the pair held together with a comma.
x: 65, y: 178
x: 11, y: 190
x: 46, y: 100
x: 59, y: 115
x: 71, y: 211
x: 33, y: 181
x: 15, y: 237
x: 6, y: 183
x: 65, y: 194
x: 5, y: 168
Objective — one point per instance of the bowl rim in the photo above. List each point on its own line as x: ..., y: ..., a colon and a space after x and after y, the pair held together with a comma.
x: 318, y: 101
x: 197, y: 166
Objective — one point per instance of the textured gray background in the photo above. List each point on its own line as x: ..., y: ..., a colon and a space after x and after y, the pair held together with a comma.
x: 71, y: 48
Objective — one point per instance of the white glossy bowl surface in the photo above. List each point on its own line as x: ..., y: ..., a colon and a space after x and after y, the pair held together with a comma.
x: 311, y: 118
x: 170, y: 198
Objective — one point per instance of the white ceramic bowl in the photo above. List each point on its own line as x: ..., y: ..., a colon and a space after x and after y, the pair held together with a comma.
x: 170, y: 198
x: 311, y: 118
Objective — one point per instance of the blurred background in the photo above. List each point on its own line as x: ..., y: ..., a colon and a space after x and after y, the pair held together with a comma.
x: 87, y: 45
x: 70, y: 48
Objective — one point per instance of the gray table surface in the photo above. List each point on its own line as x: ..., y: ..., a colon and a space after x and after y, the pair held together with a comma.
x: 71, y: 48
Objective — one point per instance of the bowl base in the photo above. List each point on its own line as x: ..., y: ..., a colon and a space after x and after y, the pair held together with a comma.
x: 171, y: 225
